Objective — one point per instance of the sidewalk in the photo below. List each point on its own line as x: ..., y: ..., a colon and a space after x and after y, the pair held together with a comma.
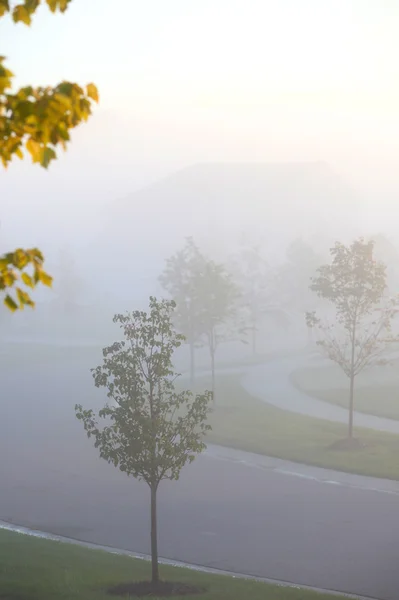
x: 271, y: 383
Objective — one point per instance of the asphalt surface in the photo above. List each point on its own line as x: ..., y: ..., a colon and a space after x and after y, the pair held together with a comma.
x: 224, y: 514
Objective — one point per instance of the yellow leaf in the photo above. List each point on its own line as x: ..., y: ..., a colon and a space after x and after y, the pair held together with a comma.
x: 34, y: 149
x: 27, y: 279
x: 19, y: 153
x: 21, y: 14
x: 45, y: 278
x: 92, y: 92
x: 4, y: 7
x: 64, y: 100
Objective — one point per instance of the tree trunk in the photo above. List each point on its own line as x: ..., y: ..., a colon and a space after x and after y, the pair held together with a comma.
x: 192, y: 363
x: 352, y: 382
x: 351, y: 389
x: 213, y: 376
x: 154, y: 536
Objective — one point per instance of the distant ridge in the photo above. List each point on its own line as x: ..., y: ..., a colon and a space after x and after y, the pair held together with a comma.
x: 214, y: 202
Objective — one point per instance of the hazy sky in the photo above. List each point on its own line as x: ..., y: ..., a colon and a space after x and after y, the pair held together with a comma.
x: 183, y: 81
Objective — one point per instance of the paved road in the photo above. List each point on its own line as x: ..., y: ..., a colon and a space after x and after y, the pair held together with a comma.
x: 222, y: 513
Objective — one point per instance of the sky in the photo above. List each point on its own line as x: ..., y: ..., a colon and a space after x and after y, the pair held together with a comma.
x: 207, y: 80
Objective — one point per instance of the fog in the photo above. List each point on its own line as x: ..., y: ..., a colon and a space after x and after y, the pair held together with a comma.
x: 252, y: 126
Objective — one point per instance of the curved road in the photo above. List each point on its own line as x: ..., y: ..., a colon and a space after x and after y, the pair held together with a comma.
x: 236, y: 513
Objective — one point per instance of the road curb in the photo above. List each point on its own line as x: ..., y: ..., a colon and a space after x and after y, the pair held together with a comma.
x: 173, y: 563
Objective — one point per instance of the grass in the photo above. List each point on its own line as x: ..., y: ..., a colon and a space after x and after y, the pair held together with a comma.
x: 243, y: 422
x: 38, y: 569
x: 378, y: 400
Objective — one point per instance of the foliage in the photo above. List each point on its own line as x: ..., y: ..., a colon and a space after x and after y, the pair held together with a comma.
x: 355, y: 284
x: 152, y: 431
x: 218, y: 296
x: 179, y: 280
x: 38, y: 119
x: 258, y: 290
x: 294, y: 276
x: 14, y: 268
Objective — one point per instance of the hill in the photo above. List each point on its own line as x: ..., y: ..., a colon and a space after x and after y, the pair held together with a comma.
x: 214, y: 203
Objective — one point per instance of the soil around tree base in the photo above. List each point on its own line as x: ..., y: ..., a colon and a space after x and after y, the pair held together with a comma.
x: 164, y: 589
x: 349, y: 444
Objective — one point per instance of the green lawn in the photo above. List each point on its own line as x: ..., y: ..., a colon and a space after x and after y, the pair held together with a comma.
x: 379, y: 400
x: 36, y: 569
x: 243, y: 422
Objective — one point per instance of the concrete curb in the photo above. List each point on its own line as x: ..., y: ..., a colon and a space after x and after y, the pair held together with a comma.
x: 173, y: 563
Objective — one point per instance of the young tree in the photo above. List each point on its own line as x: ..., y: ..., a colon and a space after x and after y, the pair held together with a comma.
x: 354, y: 283
x: 152, y: 430
x: 39, y: 119
x: 179, y: 280
x: 217, y: 297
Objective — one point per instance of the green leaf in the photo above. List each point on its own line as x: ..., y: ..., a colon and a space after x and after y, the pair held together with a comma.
x: 10, y: 303
x: 47, y: 155
x: 32, y: 5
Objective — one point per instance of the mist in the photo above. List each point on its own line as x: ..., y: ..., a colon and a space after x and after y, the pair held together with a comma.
x: 242, y: 166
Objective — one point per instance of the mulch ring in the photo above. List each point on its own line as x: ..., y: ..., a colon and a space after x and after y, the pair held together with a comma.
x: 161, y: 589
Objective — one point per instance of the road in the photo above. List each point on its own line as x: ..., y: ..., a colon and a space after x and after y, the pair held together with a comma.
x: 224, y: 514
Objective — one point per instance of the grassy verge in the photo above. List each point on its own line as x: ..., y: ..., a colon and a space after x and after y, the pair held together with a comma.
x: 378, y: 400
x: 43, y: 570
x: 243, y: 422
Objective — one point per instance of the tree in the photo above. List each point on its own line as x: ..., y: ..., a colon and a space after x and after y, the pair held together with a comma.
x: 38, y: 119
x: 293, y: 280
x: 152, y: 430
x: 354, y: 283
x: 217, y: 300
x: 68, y: 280
x: 258, y: 293
x: 179, y: 280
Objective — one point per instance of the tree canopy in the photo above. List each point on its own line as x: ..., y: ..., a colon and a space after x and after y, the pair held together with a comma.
x: 35, y: 122
x: 355, y: 285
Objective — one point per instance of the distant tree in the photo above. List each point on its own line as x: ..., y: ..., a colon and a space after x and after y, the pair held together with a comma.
x: 38, y: 119
x: 68, y: 282
x: 294, y: 276
x: 258, y: 291
x: 152, y: 430
x: 217, y: 297
x: 354, y: 283
x: 179, y: 280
